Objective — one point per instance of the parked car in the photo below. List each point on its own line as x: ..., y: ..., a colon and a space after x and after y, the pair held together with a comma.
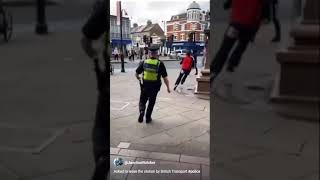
x: 178, y: 54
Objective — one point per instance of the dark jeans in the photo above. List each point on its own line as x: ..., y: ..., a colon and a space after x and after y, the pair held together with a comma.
x: 242, y: 37
x: 182, y: 77
x: 147, y: 94
x: 195, y: 64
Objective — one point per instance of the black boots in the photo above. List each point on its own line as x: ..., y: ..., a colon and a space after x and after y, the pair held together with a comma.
x: 148, y: 120
x: 140, y: 119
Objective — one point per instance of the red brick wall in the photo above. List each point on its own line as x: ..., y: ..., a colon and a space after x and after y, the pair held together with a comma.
x: 170, y: 28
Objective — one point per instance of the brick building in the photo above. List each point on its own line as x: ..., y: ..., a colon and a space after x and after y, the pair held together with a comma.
x: 181, y: 25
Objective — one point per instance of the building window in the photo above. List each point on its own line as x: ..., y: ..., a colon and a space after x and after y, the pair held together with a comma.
x: 176, y: 27
x: 182, y: 37
x: 201, y: 37
x: 193, y: 27
x: 175, y: 36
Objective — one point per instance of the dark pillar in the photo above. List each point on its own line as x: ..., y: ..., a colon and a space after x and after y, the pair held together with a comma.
x: 203, y: 81
x: 121, y: 44
x: 41, y: 27
x: 297, y: 85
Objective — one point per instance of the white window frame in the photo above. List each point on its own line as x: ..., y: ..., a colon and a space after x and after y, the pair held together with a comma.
x: 175, y: 36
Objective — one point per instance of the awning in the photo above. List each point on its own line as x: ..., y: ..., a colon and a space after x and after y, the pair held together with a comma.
x: 118, y: 41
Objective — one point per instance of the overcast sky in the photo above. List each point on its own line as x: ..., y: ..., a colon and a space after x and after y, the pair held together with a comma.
x: 139, y: 11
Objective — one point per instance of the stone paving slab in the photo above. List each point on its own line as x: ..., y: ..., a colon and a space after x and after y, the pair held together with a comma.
x: 31, y: 140
x: 114, y: 151
x: 164, y: 156
x: 274, y: 166
x: 160, y: 156
x: 80, y: 173
x: 196, y: 147
x: 124, y: 145
x: 226, y: 173
x: 228, y: 153
x: 70, y: 155
x: 190, y: 131
x: 6, y: 174
x: 194, y: 160
x: 133, y: 153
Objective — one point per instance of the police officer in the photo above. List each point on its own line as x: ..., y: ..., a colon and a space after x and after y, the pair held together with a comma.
x: 152, y: 70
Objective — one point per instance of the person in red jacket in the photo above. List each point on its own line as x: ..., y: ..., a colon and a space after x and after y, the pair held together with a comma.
x: 245, y: 18
x: 186, y: 67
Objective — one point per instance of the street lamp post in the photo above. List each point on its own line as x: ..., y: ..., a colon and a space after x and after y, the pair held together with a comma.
x: 164, y: 30
x: 41, y: 27
x: 121, y: 45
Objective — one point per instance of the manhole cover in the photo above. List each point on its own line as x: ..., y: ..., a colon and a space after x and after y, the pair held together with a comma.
x: 32, y: 140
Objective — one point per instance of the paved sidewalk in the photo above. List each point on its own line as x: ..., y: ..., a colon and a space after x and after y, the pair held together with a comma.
x: 181, y: 120
x: 178, y: 138
x: 48, y: 98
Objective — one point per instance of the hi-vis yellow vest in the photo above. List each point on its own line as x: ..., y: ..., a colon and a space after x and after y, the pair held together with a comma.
x: 151, y: 67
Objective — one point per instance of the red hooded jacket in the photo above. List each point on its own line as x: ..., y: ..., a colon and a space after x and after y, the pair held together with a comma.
x: 187, y: 63
x: 246, y: 12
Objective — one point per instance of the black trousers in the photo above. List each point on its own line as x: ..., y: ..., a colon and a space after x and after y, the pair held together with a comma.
x: 235, y: 34
x: 148, y: 94
x: 182, y: 77
x: 195, y: 63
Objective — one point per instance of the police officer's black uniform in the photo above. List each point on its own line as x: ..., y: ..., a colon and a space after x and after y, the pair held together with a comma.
x: 150, y: 89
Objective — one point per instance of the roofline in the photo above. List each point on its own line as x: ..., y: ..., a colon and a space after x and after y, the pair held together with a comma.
x: 193, y: 8
x: 122, y: 17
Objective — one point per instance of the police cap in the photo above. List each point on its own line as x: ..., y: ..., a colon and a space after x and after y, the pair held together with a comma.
x: 153, y: 48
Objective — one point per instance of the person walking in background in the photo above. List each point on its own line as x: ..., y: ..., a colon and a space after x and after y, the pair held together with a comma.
x: 275, y: 20
x: 116, y: 54
x: 245, y: 18
x: 145, y: 53
x: 186, y: 66
x: 195, y: 56
x: 132, y: 54
x: 141, y: 53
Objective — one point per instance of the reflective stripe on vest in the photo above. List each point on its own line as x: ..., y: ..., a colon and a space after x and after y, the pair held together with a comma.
x: 151, y: 67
